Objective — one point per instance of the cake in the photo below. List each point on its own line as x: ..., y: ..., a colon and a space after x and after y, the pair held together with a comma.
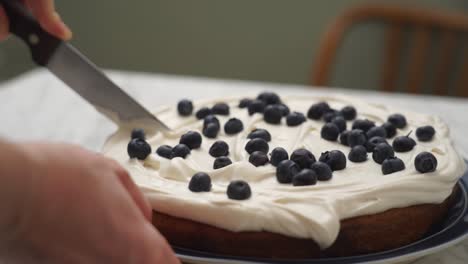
x: 292, y: 177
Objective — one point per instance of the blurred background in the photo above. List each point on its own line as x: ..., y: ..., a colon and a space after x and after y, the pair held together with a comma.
x: 265, y: 40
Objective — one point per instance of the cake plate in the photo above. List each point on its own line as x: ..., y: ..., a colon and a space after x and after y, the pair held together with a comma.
x: 453, y: 230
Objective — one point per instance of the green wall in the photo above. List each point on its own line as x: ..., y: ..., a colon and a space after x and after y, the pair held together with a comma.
x: 244, y: 39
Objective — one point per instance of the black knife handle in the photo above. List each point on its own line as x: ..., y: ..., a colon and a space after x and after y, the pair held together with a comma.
x: 24, y: 26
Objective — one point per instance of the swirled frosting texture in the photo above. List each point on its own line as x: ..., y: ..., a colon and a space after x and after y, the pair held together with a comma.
x: 305, y: 212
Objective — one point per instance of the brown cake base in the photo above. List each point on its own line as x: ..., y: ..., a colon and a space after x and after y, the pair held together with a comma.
x: 359, y: 235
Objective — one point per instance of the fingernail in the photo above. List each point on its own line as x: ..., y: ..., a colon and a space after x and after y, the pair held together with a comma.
x: 65, y: 30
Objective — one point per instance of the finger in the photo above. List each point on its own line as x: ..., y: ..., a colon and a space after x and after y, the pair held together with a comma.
x: 44, y: 11
x: 4, y: 25
x: 157, y: 248
x: 135, y: 193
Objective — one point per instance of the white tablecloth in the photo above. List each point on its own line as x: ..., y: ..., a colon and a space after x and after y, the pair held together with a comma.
x: 36, y: 106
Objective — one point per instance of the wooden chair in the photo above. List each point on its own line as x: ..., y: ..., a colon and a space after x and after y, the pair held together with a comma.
x: 453, y: 27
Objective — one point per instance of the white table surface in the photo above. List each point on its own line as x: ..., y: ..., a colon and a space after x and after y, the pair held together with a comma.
x: 36, y: 106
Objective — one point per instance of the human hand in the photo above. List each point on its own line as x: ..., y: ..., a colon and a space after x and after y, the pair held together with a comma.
x: 77, y: 206
x: 44, y: 12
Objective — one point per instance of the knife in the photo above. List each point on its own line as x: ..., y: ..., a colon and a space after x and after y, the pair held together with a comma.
x: 77, y: 71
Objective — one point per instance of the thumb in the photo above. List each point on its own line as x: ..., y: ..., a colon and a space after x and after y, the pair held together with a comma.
x: 44, y: 11
x: 156, y: 248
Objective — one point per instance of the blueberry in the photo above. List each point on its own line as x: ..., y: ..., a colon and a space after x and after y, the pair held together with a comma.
x: 344, y: 137
x: 211, y: 130
x: 398, y: 120
x: 220, y: 109
x: 260, y: 133
x: 363, y: 124
x: 381, y: 152
x: 356, y: 137
x: 403, y: 144
x: 340, y: 122
x: 221, y: 162
x: 210, y: 119
x: 256, y: 106
x: 371, y: 143
x: 330, y: 132
x: 245, y: 102
x: 219, y: 148
x: 335, y: 159
x: 323, y: 171
x: 278, y: 154
x: 138, y: 148
x: 295, y: 119
x: 269, y: 98
x: 165, y: 151
x: 285, y: 171
x: 303, y: 158
x: 238, y: 190
x: 305, y: 177
x: 348, y: 112
x: 191, y: 139
x: 328, y: 116
x: 425, y: 133
x: 180, y: 150
x: 284, y: 109
x: 138, y: 133
x: 233, y: 126
x: 390, y: 129
x: 317, y: 110
x: 376, y: 132
x: 272, y: 114
x: 391, y: 165
x: 358, y: 154
x: 257, y: 144
x: 203, y: 112
x: 185, y: 107
x: 200, y: 182
x: 425, y: 162
x: 258, y: 158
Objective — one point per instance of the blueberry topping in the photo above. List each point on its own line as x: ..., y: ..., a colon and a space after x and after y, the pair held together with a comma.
x: 257, y: 144
x: 200, y: 182
x: 425, y: 162
x: 425, y: 133
x: 278, y: 154
x: 203, y: 112
x: 344, y: 137
x: 185, y: 107
x: 295, y: 119
x: 239, y: 190
x: 381, y: 152
x: 398, y: 120
x: 258, y: 158
x: 191, y: 139
x: 390, y: 129
x: 180, y: 150
x: 233, y: 126
x: 256, y: 106
x: 219, y: 148
x: 403, y: 144
x: 317, y: 110
x: 335, y: 159
x: 330, y: 132
x: 210, y: 119
x: 356, y: 137
x: 340, y: 122
x: 260, y: 133
x: 305, y: 177
x: 245, y: 102
x: 391, y: 165
x: 284, y: 109
x: 363, y: 124
x: 272, y: 114
x: 358, y: 154
x: 269, y: 98
x: 303, y: 158
x: 371, y: 143
x: 285, y: 171
x: 348, y: 112
x: 165, y: 151
x: 323, y: 171
x: 138, y: 133
x: 211, y: 130
x: 138, y: 148
x: 328, y: 116
x: 376, y: 132
x: 220, y: 109
x: 221, y: 162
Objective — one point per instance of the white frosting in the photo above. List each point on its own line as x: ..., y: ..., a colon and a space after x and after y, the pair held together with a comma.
x: 305, y: 212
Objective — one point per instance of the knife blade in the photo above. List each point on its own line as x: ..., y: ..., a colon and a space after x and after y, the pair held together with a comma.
x: 77, y: 71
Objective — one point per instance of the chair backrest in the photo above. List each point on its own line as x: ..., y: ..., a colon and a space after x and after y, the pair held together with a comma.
x: 453, y: 27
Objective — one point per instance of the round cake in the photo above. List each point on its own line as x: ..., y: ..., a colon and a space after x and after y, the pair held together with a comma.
x: 292, y: 176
